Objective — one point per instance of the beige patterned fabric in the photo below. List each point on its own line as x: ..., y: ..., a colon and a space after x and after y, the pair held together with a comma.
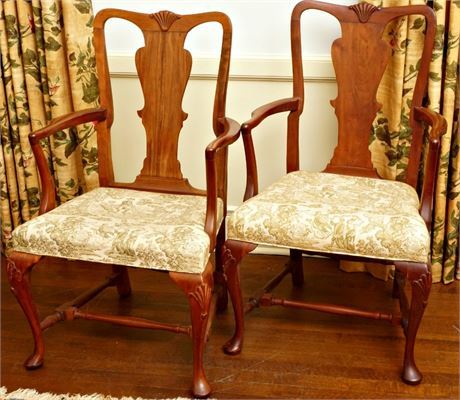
x: 335, y: 214
x: 392, y: 134
x: 125, y: 227
x: 48, y: 69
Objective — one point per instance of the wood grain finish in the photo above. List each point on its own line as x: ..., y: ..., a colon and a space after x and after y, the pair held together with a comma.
x: 360, y: 57
x: 363, y: 11
x: 163, y: 67
x: 438, y: 126
x: 308, y: 355
x: 356, y: 105
x: 233, y: 253
x: 199, y: 291
x: 48, y: 195
x: 18, y: 268
x: 259, y: 115
x: 419, y: 277
x: 163, y: 52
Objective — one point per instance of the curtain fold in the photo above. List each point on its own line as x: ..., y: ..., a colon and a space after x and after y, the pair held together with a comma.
x: 442, y: 90
x: 391, y: 134
x: 47, y: 69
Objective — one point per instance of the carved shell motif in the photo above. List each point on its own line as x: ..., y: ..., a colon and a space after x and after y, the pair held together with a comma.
x: 422, y: 288
x: 201, y: 296
x: 165, y: 19
x: 14, y: 273
x: 227, y: 258
x: 363, y: 11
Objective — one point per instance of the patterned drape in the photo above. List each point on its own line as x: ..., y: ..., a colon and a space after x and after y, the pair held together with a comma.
x: 391, y: 136
x: 47, y: 70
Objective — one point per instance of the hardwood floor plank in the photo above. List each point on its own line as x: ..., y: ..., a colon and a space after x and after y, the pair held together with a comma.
x: 287, y: 354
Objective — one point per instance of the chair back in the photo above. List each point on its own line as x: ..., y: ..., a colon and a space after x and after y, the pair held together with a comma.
x: 164, y: 67
x: 360, y: 57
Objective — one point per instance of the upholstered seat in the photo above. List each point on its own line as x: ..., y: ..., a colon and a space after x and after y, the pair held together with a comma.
x: 159, y: 221
x: 347, y: 211
x: 125, y: 227
x: 335, y: 214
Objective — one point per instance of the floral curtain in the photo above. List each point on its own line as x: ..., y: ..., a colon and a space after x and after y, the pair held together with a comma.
x: 390, y: 141
x: 47, y: 70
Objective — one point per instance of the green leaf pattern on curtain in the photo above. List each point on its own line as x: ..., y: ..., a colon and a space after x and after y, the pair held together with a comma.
x: 48, y: 69
x: 442, y: 94
x: 391, y: 135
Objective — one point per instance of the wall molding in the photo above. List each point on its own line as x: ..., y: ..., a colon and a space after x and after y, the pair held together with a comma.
x: 316, y: 69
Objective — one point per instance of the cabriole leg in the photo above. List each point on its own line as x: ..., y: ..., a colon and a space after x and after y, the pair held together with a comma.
x: 419, y: 277
x: 19, y: 266
x: 233, y: 253
x: 220, y: 283
x: 398, y: 282
x: 198, y: 289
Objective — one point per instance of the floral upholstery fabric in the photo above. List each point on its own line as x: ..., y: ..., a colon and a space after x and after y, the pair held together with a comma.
x: 332, y: 213
x: 48, y: 69
x: 125, y: 227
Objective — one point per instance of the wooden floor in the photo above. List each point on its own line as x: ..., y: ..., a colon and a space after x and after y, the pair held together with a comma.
x: 288, y: 353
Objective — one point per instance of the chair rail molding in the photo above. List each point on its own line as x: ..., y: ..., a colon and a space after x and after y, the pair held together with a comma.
x: 266, y: 78
x: 317, y: 69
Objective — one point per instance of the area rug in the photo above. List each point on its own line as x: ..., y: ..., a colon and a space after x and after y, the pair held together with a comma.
x: 30, y: 394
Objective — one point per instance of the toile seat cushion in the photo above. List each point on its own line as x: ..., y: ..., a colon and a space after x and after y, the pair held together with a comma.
x: 125, y: 227
x: 338, y: 214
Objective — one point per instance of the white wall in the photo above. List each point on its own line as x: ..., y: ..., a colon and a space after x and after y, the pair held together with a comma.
x: 260, y: 72
x: 261, y: 27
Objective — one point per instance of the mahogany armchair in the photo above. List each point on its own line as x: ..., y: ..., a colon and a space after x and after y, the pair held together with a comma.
x: 159, y: 221
x: 333, y: 213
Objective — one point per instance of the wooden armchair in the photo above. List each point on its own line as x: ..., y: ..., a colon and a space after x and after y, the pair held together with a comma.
x: 346, y: 211
x: 159, y: 222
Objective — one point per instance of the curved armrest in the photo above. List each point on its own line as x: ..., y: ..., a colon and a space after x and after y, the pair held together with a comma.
x: 48, y: 199
x: 230, y: 135
x: 437, y: 122
x: 438, y: 128
x: 68, y: 121
x: 275, y: 107
x: 258, y: 115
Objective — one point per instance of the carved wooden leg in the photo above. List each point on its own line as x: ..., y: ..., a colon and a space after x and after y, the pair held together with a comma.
x: 123, y: 283
x: 296, y: 262
x: 233, y: 253
x: 220, y: 283
x: 419, y: 277
x: 398, y: 282
x: 19, y: 266
x: 198, y: 289
x: 395, y: 291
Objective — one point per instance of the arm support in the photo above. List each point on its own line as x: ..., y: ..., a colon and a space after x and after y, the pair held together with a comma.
x: 275, y: 107
x: 438, y: 128
x: 259, y: 115
x: 48, y: 199
x: 230, y: 135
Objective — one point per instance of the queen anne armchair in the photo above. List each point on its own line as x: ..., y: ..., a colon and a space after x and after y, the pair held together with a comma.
x: 158, y: 222
x: 334, y: 213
